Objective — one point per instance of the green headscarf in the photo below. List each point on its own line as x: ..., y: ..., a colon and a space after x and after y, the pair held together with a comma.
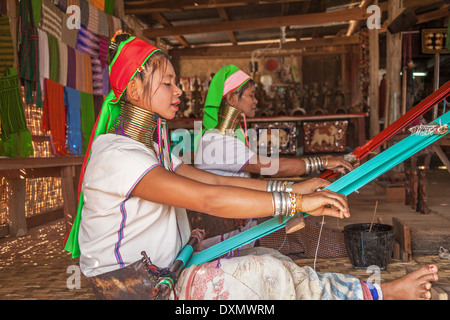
x: 227, y: 79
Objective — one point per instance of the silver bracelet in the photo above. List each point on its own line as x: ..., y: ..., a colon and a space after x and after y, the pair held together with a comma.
x: 308, y: 165
x: 289, y: 187
x: 279, y: 185
x: 278, y: 203
x: 288, y: 204
x: 270, y: 184
x: 319, y: 163
x: 314, y: 164
x: 282, y: 203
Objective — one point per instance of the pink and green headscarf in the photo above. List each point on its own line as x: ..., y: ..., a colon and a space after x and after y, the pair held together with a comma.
x: 227, y: 79
x: 130, y: 58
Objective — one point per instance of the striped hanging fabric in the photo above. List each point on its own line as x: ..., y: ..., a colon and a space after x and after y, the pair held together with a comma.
x: 51, y: 19
x: 15, y: 138
x: 6, y: 45
x: 29, y: 54
x: 54, y: 116
x: 72, y: 100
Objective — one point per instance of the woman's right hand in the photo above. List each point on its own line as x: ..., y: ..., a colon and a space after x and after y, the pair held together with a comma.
x: 325, y: 203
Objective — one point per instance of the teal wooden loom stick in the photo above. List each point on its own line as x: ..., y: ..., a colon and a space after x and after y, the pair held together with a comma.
x: 345, y: 185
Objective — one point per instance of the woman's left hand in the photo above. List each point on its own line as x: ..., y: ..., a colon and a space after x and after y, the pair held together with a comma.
x: 310, y: 185
x: 325, y: 203
x: 337, y: 164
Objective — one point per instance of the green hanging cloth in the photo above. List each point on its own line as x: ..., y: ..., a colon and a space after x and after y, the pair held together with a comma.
x: 29, y: 53
x: 87, y: 118
x: 6, y: 45
x: 15, y: 138
x: 53, y: 51
x: 109, y: 7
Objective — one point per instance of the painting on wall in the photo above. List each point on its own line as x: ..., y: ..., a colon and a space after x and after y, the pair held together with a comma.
x: 265, y: 138
x: 326, y: 136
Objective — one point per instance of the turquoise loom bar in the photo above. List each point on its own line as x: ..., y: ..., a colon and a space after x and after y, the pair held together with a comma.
x: 185, y: 254
x: 345, y: 185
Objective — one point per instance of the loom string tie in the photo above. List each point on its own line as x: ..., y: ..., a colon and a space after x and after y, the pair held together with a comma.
x: 165, y: 276
x: 229, y: 256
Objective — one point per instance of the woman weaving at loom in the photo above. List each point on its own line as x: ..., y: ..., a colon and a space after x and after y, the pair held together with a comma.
x: 223, y: 148
x: 133, y: 192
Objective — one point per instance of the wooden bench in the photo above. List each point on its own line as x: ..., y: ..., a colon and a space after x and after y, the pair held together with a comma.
x: 17, y: 170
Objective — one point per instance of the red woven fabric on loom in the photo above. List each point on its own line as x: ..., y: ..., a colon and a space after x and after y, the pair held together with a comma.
x: 54, y: 118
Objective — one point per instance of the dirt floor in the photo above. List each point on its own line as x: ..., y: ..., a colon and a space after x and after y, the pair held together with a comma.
x: 35, y: 267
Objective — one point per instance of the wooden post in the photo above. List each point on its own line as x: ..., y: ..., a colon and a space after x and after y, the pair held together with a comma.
x: 436, y: 81
x: 393, y: 63
x: 68, y: 192
x: 16, y: 207
x: 373, y: 86
x: 404, y: 89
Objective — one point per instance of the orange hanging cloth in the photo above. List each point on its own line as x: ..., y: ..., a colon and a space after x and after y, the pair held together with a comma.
x: 54, y: 117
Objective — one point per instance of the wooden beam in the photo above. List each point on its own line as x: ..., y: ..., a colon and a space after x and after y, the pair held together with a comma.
x: 26, y: 163
x: 260, y: 23
x: 146, y: 7
x: 440, y: 13
x: 355, y: 23
x: 246, y: 49
x: 161, y: 19
x: 224, y: 16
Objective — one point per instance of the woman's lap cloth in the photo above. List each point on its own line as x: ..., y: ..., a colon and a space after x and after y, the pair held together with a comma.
x: 260, y: 273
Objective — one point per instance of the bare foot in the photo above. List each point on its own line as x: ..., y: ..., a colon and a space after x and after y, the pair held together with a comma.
x: 414, y: 286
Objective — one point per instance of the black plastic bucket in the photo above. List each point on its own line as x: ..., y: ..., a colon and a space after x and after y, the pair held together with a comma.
x: 368, y: 249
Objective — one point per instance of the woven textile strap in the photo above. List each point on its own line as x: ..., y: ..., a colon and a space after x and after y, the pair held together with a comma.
x: 345, y: 185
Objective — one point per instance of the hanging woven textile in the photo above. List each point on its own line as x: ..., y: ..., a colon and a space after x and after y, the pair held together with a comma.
x: 109, y: 7
x: 15, y: 138
x: 71, y: 67
x: 54, y: 116
x: 74, y: 135
x: 87, y: 118
x: 53, y: 50
x: 51, y: 19
x: 92, y: 25
x: 63, y: 63
x: 44, y: 58
x: 6, y: 45
x: 103, y: 27
x: 29, y: 54
x: 84, y: 10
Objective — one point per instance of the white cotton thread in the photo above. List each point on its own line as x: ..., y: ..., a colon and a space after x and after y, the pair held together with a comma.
x: 318, y: 242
